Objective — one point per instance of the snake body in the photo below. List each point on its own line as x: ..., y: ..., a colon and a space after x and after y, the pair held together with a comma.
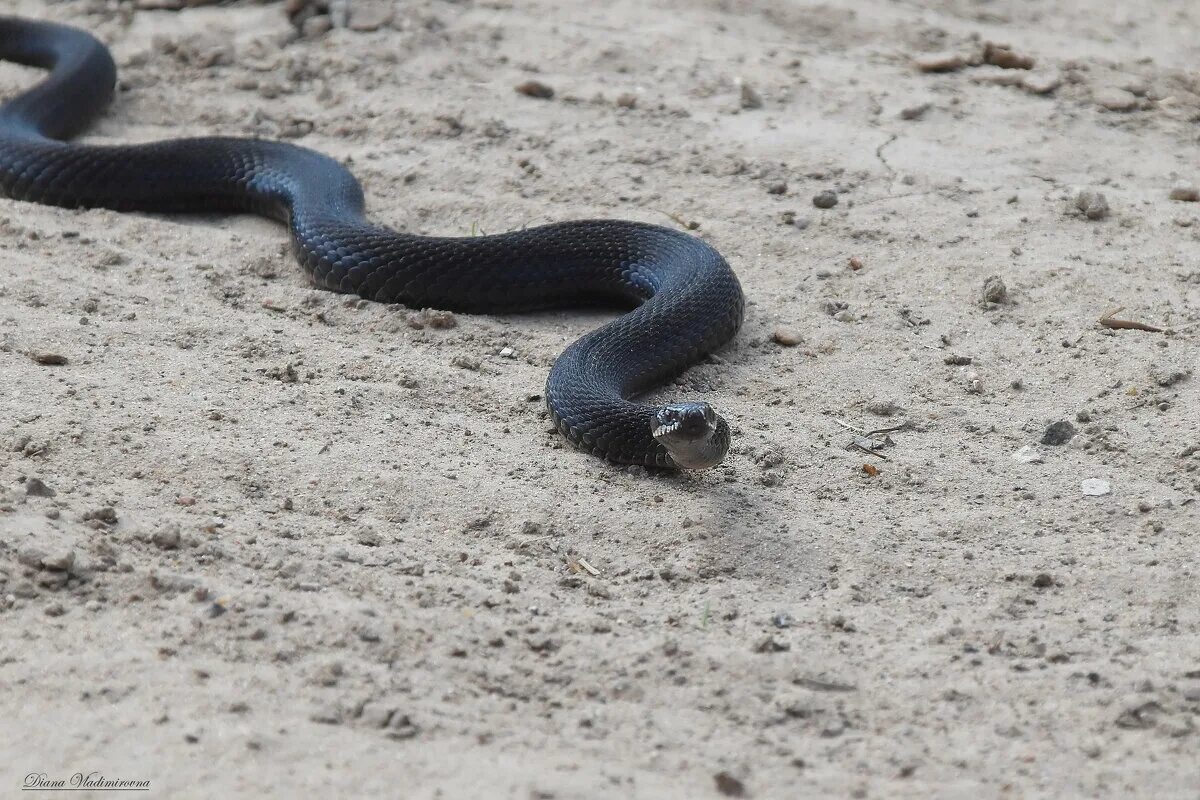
x: 684, y: 300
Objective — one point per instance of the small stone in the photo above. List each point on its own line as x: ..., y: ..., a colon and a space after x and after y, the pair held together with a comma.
x: 780, y: 187
x: 940, y: 62
x: 31, y: 556
x: 315, y: 27
x: 825, y: 199
x: 467, y: 362
x: 626, y: 100
x: 1114, y: 99
x: 749, y: 98
x: 54, y: 610
x: 166, y: 538
x: 1041, y: 83
x: 535, y: 89
x: 34, y: 487
x: 49, y: 359
x: 1095, y: 487
x: 994, y: 290
x: 59, y: 560
x: 915, y: 112
x: 781, y: 619
x: 1058, y: 433
x: 327, y: 715
x: 52, y: 580
x: 1001, y: 55
x: 106, y: 515
x: 433, y: 318
x: 884, y: 407
x: 787, y: 337
x: 1042, y: 580
x: 1185, y: 193
x: 770, y: 644
x: 958, y: 360
x: 1093, y: 204
x: 401, y: 727
x: 377, y: 713
x: 1028, y: 455
x: 1169, y: 374
x: 845, y: 316
x: 729, y: 785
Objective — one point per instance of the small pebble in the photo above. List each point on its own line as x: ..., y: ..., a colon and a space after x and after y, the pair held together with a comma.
x: 106, y: 515
x: 167, y: 538
x: 1041, y: 83
x: 626, y: 100
x: 825, y: 199
x: 315, y: 27
x: 1114, y: 99
x: 788, y: 337
x: 883, y: 407
x: 1093, y: 204
x: 34, y: 487
x: 1001, y: 55
x: 1058, y: 433
x: 59, y: 560
x: 1028, y: 455
x: 31, y: 556
x: 1095, y: 487
x: 729, y: 785
x: 1043, y: 580
x: 535, y: 89
x: 915, y: 112
x: 771, y: 644
x: 1185, y: 193
x: 750, y: 99
x: 940, y: 62
x: 467, y: 362
x: 54, y: 610
x: 994, y: 290
x: 777, y: 188
x: 49, y: 359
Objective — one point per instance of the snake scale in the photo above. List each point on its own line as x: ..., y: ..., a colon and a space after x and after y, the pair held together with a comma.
x: 682, y: 300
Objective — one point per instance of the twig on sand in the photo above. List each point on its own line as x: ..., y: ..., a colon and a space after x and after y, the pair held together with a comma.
x: 875, y: 432
x: 864, y: 441
x: 581, y: 565
x: 868, y: 446
x: 1108, y: 321
x: 691, y: 226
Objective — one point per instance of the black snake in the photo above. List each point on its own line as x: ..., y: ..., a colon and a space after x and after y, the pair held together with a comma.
x: 686, y: 300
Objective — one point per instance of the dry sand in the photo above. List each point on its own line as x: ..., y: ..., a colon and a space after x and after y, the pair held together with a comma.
x: 339, y: 556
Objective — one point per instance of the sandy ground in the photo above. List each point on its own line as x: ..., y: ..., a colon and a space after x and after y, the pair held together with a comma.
x: 258, y: 539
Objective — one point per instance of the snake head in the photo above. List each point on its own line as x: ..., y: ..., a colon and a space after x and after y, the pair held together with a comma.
x: 694, y: 434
